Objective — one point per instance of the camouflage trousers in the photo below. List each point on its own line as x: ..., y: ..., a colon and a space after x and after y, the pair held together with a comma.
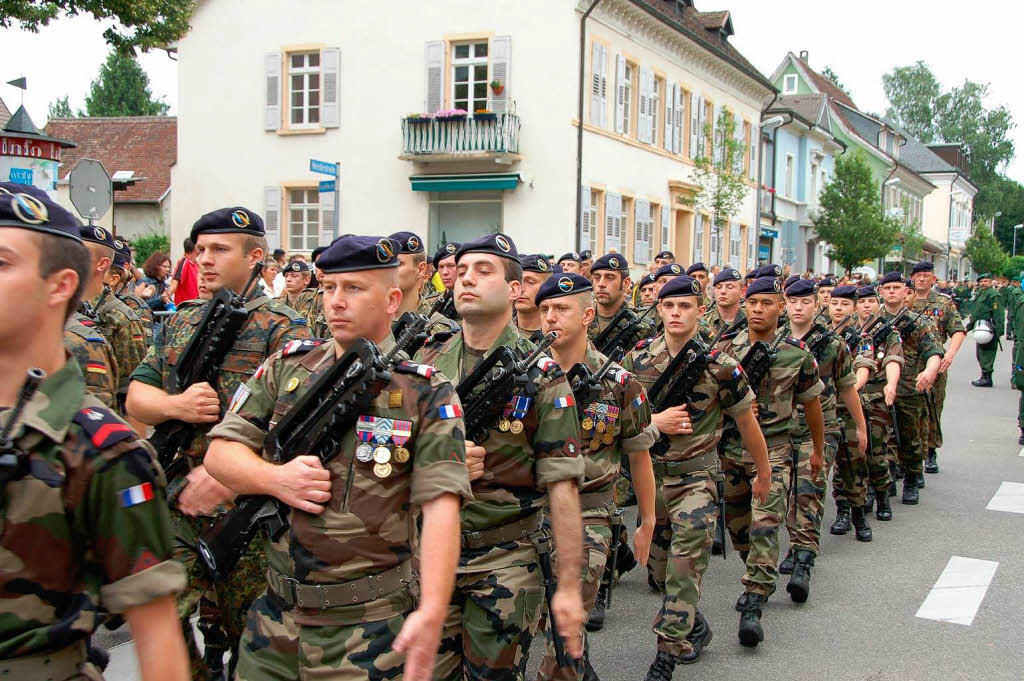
x: 222, y: 606
x: 692, y: 511
x: 657, y: 559
x: 753, y: 526
x: 491, y: 621
x: 911, y: 417
x: 934, y: 437
x: 804, y: 513
x: 850, y: 482
x: 880, y: 426
x: 597, y: 542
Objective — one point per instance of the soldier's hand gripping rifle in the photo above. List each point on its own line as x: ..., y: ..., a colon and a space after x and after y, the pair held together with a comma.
x: 223, y: 318
x: 622, y: 332
x: 12, y: 462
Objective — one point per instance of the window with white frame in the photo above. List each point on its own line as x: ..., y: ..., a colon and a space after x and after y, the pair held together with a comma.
x: 469, y: 76
x: 734, y: 245
x: 304, y: 89
x: 789, y: 84
x: 303, y: 219
x: 588, y: 218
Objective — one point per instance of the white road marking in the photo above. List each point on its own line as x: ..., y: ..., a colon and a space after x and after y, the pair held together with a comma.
x: 1009, y: 497
x: 1021, y: 452
x: 958, y: 593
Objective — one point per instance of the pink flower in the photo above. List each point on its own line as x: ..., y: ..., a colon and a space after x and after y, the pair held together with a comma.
x: 771, y: 190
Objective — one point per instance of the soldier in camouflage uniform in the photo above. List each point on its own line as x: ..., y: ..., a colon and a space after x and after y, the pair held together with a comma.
x: 922, y: 355
x: 297, y: 275
x: 792, y: 379
x: 230, y: 243
x: 536, y: 271
x: 85, y: 529
x: 729, y: 286
x: 699, y: 271
x: 444, y: 266
x: 120, y: 282
x: 610, y: 274
x: 616, y: 423
x: 341, y: 596
x: 687, y: 473
x: 95, y: 358
x: 825, y: 286
x: 645, y: 291
x: 412, y: 271
x: 941, y: 309
x: 532, y: 465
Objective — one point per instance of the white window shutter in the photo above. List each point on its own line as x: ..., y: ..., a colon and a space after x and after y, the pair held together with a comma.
x: 641, y: 246
x: 604, y: 87
x: 754, y: 135
x: 620, y: 92
x: 330, y: 63
x: 641, y: 108
x: 501, y: 68
x: 694, y: 126
x: 596, y: 91
x: 435, y: 76
x: 585, y: 225
x: 613, y: 223
x: 716, y: 134
x: 670, y: 106
x: 272, y: 216
x: 272, y: 96
x: 679, y: 125
x: 326, y: 218
x: 666, y: 227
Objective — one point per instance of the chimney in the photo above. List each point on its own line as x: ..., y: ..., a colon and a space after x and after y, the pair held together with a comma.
x: 803, y: 57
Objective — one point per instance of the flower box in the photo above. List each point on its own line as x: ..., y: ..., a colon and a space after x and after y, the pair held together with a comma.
x: 485, y: 116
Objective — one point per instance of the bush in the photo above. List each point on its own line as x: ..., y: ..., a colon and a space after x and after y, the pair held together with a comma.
x: 1013, y: 267
x: 148, y: 244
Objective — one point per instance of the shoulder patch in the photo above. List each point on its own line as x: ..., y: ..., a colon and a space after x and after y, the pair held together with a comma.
x: 619, y: 375
x: 714, y: 354
x: 546, y: 364
x: 297, y: 347
x: 103, y: 427
x: 407, y: 367
x: 85, y: 321
x: 796, y: 343
x: 644, y: 343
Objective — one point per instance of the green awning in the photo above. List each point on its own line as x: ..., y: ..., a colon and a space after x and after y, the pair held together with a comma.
x: 464, y: 183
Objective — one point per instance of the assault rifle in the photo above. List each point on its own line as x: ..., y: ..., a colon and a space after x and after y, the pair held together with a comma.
x: 585, y: 384
x: 445, y: 305
x: 676, y: 384
x: 13, y: 463
x: 621, y: 333
x: 817, y: 338
x: 223, y: 318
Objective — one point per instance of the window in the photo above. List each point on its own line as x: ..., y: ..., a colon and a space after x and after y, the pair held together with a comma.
x: 812, y: 198
x: 588, y: 218
x: 599, y: 86
x: 303, y: 219
x: 304, y: 89
x: 789, y: 84
x: 653, y: 102
x: 734, y: 246
x: 644, y: 230
x: 469, y: 76
x: 789, y: 176
x: 698, y: 237
x: 614, y: 218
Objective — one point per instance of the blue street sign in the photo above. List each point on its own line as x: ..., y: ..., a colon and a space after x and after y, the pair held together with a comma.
x: 323, y: 167
x: 21, y: 175
x: 326, y: 186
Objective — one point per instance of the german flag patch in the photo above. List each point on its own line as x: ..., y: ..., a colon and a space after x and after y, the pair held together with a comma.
x: 103, y: 427
x: 96, y: 368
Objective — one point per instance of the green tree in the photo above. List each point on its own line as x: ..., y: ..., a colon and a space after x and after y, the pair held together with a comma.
x: 850, y: 217
x: 59, y: 108
x: 1011, y: 205
x: 149, y: 243
x: 911, y: 240
x: 984, y: 251
x: 122, y: 89
x: 912, y: 91
x: 142, y: 24
x: 834, y: 77
x: 1013, y: 267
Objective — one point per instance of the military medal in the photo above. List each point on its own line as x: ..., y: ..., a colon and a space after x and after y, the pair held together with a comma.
x: 292, y: 385
x: 515, y: 411
x: 382, y: 454
x: 364, y: 453
x: 504, y: 424
x: 608, y: 438
x: 400, y: 435
x: 595, y: 444
x: 382, y: 470
x: 588, y: 423
x: 401, y: 454
x: 516, y: 427
x: 601, y: 426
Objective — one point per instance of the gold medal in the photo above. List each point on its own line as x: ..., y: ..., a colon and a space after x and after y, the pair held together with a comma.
x: 382, y: 455
x: 588, y: 423
x: 504, y: 425
x: 608, y: 438
x: 292, y: 385
x: 382, y: 470
x: 595, y: 444
x: 601, y: 426
x: 401, y: 454
x: 516, y: 427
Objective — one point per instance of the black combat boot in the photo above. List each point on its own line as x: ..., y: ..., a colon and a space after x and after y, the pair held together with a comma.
x: 931, y: 464
x: 910, y: 494
x: 625, y: 561
x: 860, y: 523
x: 897, y: 471
x: 869, y: 500
x: 653, y: 584
x: 741, y: 602
x: 799, y: 586
x: 662, y: 667
x: 751, y: 632
x: 786, y: 566
x: 588, y: 671
x: 892, y: 489
x: 699, y: 637
x: 884, y: 510
x: 985, y: 381
x: 842, y: 523
x: 596, y: 619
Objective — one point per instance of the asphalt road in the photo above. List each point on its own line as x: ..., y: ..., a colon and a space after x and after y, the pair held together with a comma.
x: 861, y: 621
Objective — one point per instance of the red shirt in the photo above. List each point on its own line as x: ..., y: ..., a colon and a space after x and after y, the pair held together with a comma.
x: 186, y: 273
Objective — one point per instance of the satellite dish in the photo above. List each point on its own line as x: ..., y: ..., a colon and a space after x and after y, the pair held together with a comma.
x: 91, y: 190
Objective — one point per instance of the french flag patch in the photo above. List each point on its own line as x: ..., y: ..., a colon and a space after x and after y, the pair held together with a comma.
x: 449, y: 411
x: 638, y: 400
x: 563, y: 402
x: 133, y: 496
x: 546, y: 363
x: 737, y: 372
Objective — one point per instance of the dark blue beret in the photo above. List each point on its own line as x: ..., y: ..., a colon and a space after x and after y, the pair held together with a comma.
x: 670, y: 270
x: 801, y: 288
x: 665, y: 254
x: 29, y: 207
x: 646, y: 280
x: 495, y: 244
x: 728, y: 274
x: 535, y: 263
x: 445, y: 250
x: 866, y: 292
x: 696, y: 267
x: 848, y: 291
x: 827, y: 281
x: 355, y: 253
x: 683, y: 285
x: 573, y: 255
x: 768, y: 271
x: 122, y: 254
x: 922, y: 266
x: 567, y: 284
x: 795, y: 277
x: 297, y: 266
x: 586, y: 255
x: 233, y: 220
x: 894, y: 277
x: 408, y: 242
x: 763, y: 285
x: 316, y: 253
x: 97, y: 235
x: 752, y: 274
x: 611, y: 261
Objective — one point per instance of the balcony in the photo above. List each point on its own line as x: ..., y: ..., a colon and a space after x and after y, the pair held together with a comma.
x: 493, y: 137
x: 766, y: 202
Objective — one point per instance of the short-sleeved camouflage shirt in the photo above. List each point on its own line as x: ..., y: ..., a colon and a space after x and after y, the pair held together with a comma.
x: 127, y: 296
x: 942, y: 311
x: 922, y: 343
x: 646, y: 329
x: 304, y: 302
x: 721, y: 391
x: 87, y: 527
x: 95, y: 358
x: 835, y: 369
x: 124, y: 330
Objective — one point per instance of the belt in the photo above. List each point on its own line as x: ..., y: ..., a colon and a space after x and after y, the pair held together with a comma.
x: 324, y: 596
x: 515, y: 530
x: 703, y: 462
x: 595, y: 500
x: 53, y: 666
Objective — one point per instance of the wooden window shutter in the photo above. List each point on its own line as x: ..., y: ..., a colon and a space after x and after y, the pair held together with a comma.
x: 326, y: 200
x: 501, y: 67
x: 620, y: 92
x: 435, y: 76
x: 272, y: 216
x: 272, y: 96
x: 330, y: 64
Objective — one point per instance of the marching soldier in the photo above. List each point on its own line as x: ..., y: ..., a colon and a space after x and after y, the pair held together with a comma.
x: 120, y: 281
x: 85, y: 523
x: 95, y: 358
x: 296, y: 295
x: 687, y: 472
x: 532, y: 462
x: 412, y: 272
x: 536, y: 270
x: 588, y: 262
x: 229, y: 242
x: 340, y: 598
x: 610, y: 274
x: 987, y: 307
x: 729, y: 286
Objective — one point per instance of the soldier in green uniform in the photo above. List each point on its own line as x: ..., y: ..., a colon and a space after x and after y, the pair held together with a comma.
x: 229, y: 242
x: 616, y: 423
x: 645, y: 291
x: 296, y: 295
x: 687, y: 472
x: 610, y: 274
x: 660, y: 260
x: 533, y: 465
x: 1018, y: 361
x: 950, y: 327
x: 792, y: 379
x: 1012, y: 293
x: 120, y: 282
x: 587, y: 258
x: 961, y: 296
x: 412, y: 271
x: 699, y: 271
x: 987, y: 306
x: 341, y: 599
x: 536, y: 270
x: 85, y: 525
x: 729, y: 286
x: 825, y: 286
x: 95, y: 358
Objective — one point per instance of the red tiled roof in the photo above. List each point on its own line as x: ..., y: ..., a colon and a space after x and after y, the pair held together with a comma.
x: 145, y: 144
x: 714, y: 20
x: 827, y: 86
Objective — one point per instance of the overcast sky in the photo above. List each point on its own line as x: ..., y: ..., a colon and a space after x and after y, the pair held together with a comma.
x: 860, y: 41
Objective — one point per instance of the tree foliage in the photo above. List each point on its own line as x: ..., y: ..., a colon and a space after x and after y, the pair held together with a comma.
x: 720, y: 176
x: 984, y: 251
x: 850, y: 217
x: 148, y: 244
x: 911, y: 240
x: 834, y: 77
x: 912, y: 91
x: 122, y: 89
x: 59, y: 108
x: 142, y: 24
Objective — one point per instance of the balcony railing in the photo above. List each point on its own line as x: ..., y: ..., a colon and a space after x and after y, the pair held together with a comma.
x: 470, y: 137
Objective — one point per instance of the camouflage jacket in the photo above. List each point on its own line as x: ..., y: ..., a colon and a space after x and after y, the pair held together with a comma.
x: 304, y: 303
x: 139, y: 306
x: 315, y: 317
x: 922, y: 343
x: 518, y: 467
x: 891, y: 351
x: 941, y: 309
x: 124, y: 330
x: 95, y: 358
x: 713, y: 322
x: 722, y: 390
x: 86, y: 529
x: 269, y: 327
x: 367, y: 527
x: 836, y: 371
x: 532, y: 335
x: 646, y: 329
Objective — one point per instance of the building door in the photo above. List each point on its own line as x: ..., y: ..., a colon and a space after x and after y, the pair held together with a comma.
x: 463, y: 216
